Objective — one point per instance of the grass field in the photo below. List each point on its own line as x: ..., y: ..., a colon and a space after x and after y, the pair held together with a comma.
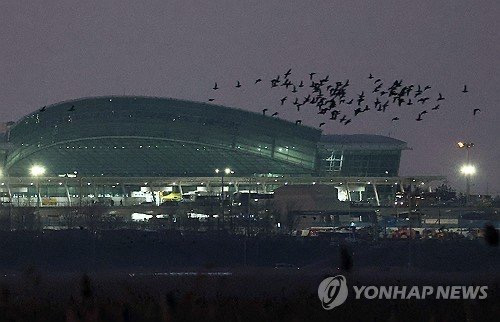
x: 141, y: 277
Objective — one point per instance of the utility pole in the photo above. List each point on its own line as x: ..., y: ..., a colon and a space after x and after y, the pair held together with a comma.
x: 468, y: 170
x: 226, y: 171
x: 222, y: 198
x: 467, y: 177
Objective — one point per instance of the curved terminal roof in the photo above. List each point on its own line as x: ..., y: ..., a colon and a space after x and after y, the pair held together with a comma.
x: 363, y: 140
x: 360, y: 138
x: 149, y: 136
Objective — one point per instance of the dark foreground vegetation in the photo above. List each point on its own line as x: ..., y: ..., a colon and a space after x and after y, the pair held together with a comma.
x: 159, y: 276
x: 135, y: 250
x: 265, y: 296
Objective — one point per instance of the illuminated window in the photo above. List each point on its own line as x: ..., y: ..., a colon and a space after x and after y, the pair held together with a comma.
x: 334, y: 161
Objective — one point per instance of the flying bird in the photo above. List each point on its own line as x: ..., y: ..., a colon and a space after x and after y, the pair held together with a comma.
x: 43, y: 109
x: 361, y: 97
x: 238, y: 85
x: 436, y: 107
x: 422, y: 99
x: 258, y: 80
x: 465, y: 89
x: 288, y: 73
x: 301, y: 84
x: 72, y: 108
x: 287, y: 83
x: 298, y: 122
x: 321, y: 124
x: 418, y: 91
x: 215, y: 87
x: 440, y: 98
x: 347, y: 122
x: 311, y: 75
x: 274, y: 114
x: 370, y: 77
x: 210, y: 99
x: 395, y: 119
x: 283, y: 100
x: 476, y: 110
x: 335, y: 113
x: 264, y: 111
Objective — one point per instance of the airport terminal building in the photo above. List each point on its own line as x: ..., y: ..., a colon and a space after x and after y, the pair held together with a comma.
x: 122, y: 146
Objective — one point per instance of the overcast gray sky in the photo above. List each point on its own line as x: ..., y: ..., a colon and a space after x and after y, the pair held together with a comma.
x: 57, y: 50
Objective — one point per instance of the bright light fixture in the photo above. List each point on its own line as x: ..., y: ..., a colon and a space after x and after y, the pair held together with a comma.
x: 37, y: 170
x: 468, y: 169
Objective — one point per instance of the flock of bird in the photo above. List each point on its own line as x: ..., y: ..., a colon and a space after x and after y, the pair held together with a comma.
x: 331, y: 97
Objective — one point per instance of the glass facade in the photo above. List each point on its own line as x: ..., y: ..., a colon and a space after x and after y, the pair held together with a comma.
x: 138, y: 136
x: 159, y: 137
x: 147, y: 158
x: 359, y: 156
x: 361, y: 163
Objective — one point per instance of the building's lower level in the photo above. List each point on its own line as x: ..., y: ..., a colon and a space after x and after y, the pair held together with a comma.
x: 74, y: 191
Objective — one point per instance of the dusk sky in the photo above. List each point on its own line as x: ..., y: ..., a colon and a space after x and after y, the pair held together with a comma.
x: 58, y: 50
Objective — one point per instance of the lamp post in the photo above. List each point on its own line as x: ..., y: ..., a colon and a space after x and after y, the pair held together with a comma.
x: 227, y: 171
x: 467, y: 170
x: 37, y: 171
x: 10, y: 200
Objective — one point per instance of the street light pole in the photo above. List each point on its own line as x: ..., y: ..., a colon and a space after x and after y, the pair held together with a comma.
x: 467, y: 170
x: 37, y: 184
x: 467, y: 182
x: 226, y: 171
x: 37, y: 171
x: 222, y: 197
